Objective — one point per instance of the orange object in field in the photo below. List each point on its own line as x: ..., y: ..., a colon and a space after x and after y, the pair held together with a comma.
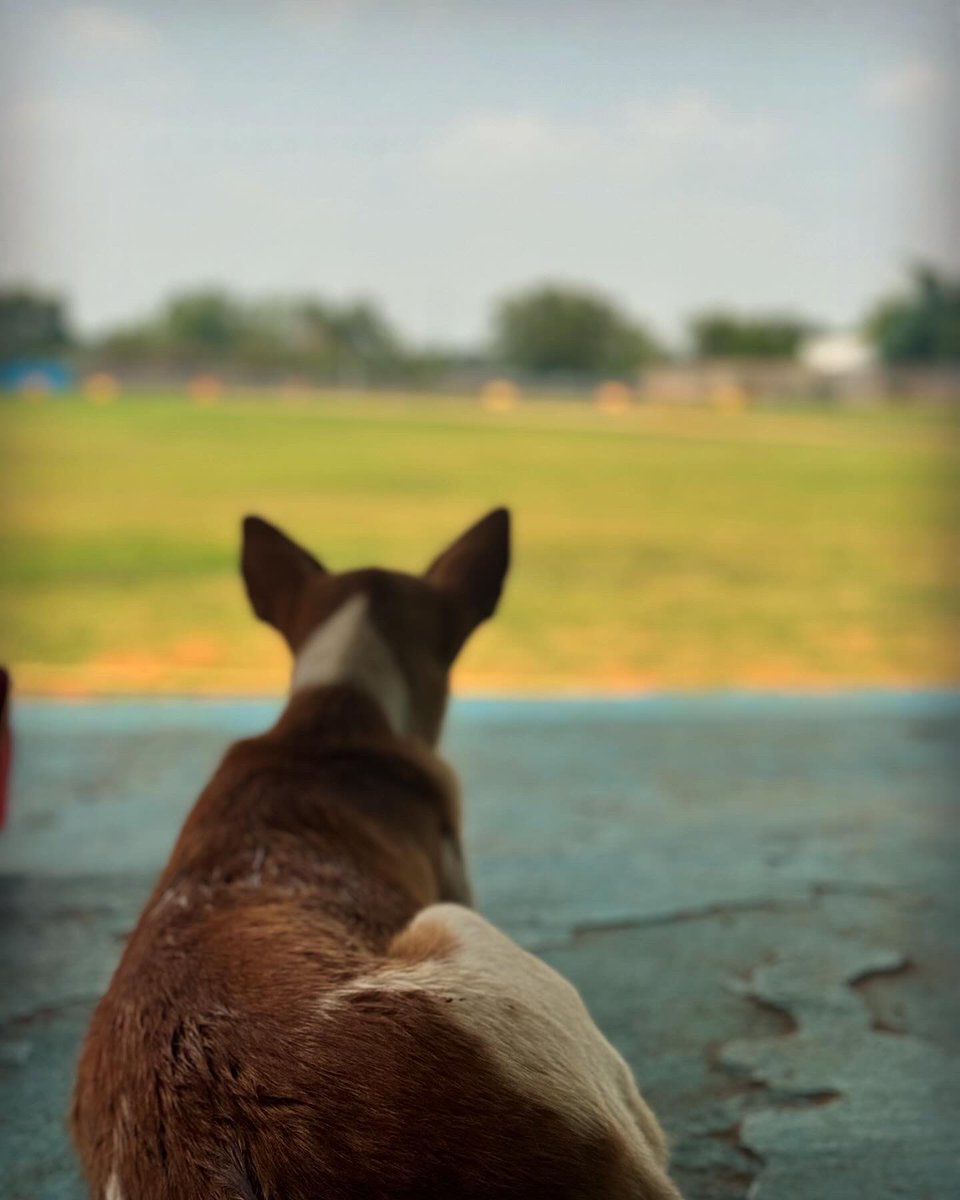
x: 6, y: 748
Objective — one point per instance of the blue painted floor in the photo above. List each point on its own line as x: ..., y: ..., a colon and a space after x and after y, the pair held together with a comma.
x: 758, y: 897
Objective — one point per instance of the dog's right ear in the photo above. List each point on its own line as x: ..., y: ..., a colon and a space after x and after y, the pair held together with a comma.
x: 472, y: 569
x: 275, y: 570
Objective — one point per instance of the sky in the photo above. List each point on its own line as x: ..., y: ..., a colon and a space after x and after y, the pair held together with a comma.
x: 436, y: 154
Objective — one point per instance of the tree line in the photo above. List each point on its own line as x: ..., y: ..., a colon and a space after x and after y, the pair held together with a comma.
x: 546, y: 331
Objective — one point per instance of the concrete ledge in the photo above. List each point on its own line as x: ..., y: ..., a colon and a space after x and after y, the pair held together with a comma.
x: 756, y: 895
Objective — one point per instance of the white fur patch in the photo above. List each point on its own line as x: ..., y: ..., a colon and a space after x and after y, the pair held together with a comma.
x: 112, y: 1191
x: 347, y: 648
x: 535, y: 1026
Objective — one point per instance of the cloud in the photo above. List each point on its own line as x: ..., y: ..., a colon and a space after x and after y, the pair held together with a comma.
x: 322, y: 14
x: 99, y: 27
x: 650, y: 136
x: 517, y: 141
x: 907, y: 86
x: 692, y: 120
x: 40, y: 117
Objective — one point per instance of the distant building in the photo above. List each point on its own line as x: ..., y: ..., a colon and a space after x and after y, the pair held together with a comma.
x: 838, y: 355
x: 841, y: 366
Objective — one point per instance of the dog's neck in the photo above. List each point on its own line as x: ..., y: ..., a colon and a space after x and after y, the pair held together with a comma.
x: 340, y: 717
x: 375, y: 819
x: 347, y: 649
x: 341, y: 724
x: 335, y: 714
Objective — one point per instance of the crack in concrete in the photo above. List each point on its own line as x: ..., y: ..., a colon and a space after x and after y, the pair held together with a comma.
x: 838, y: 1091
x: 679, y: 916
x: 863, y: 986
x: 870, y: 891
x: 542, y: 938
x: 731, y: 1135
x: 732, y: 908
x: 789, y: 1022
x: 44, y: 1012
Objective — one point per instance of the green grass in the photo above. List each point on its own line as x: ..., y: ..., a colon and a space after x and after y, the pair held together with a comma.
x: 654, y: 548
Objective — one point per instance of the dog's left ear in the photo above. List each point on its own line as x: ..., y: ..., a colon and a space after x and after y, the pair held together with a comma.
x: 275, y: 570
x: 472, y: 569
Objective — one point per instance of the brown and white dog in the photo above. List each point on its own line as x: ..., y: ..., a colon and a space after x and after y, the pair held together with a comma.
x: 307, y: 1009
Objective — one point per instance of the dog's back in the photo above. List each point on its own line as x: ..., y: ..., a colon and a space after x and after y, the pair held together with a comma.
x: 306, y: 1009
x: 387, y: 1085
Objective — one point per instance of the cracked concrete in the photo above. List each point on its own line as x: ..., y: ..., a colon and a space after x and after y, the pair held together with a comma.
x: 860, y: 1109
x: 756, y: 896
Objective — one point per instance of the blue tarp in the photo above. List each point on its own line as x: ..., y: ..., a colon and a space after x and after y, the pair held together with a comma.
x: 35, y: 374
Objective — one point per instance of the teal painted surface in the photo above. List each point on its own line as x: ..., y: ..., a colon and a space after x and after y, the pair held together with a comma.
x: 757, y: 896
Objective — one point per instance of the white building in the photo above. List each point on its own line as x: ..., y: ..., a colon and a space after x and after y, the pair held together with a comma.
x: 839, y: 355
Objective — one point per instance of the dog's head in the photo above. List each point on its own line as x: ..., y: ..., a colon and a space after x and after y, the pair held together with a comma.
x: 392, y: 635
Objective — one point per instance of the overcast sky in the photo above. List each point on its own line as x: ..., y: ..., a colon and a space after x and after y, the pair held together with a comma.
x: 433, y: 155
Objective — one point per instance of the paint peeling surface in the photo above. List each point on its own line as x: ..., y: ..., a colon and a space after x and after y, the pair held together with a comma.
x: 757, y: 896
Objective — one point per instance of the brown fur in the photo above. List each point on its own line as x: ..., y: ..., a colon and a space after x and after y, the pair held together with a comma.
x: 424, y: 619
x: 228, y: 1061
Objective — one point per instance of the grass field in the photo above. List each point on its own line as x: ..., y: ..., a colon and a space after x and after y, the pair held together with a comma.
x: 654, y: 548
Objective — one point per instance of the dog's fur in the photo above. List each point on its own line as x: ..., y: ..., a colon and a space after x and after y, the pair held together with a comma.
x: 307, y: 1009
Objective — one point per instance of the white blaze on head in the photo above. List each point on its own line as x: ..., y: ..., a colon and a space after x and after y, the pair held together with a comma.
x: 347, y: 648
x: 112, y: 1191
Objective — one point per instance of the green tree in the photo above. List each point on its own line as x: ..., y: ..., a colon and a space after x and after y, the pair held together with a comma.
x: 921, y: 325
x: 302, y: 334
x: 204, y: 320
x: 32, y: 325
x: 721, y: 334
x: 312, y: 334
x: 362, y: 334
x: 196, y: 327
x: 555, y: 328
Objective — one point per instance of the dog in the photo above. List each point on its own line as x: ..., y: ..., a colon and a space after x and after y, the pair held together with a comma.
x: 309, y: 1008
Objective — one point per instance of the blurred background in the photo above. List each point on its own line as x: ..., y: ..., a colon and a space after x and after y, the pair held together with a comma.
x: 679, y: 283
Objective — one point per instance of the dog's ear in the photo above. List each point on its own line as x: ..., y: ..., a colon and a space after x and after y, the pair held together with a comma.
x: 275, y: 570
x: 472, y: 569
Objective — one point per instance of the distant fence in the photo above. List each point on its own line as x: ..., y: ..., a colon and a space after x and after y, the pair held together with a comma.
x: 713, y: 382
x: 720, y: 384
